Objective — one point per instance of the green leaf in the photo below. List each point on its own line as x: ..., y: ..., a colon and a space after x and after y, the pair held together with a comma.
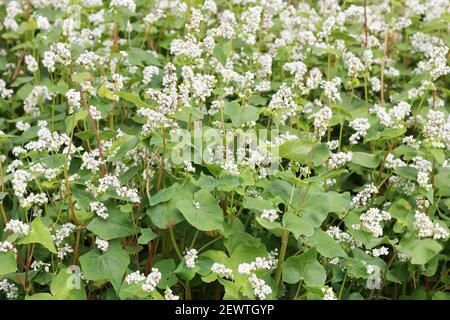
x: 21, y: 80
x: 146, y: 236
x: 315, y: 274
x: 164, y: 212
x: 401, y: 210
x: 139, y: 56
x: 306, y: 267
x: 438, y: 154
x: 133, y: 97
x: 318, y: 204
x: 165, y: 215
x: 168, y: 278
x: 366, y: 159
x: 104, y: 92
x: 228, y: 182
x: 208, y: 217
x: 165, y: 194
x: 296, y: 150
x: 40, y: 296
x: 72, y: 120
x: 67, y: 286
x: 442, y: 182
x: 441, y: 295
x: 219, y: 53
x: 80, y: 77
x: 256, y: 203
x: 320, y: 154
x: 126, y: 146
x: 387, y: 133
x: 39, y: 233
x: 239, y: 115
x: 7, y: 263
x: 272, y: 226
x: 406, y: 172
x: 110, y: 265
x: 115, y: 226
x: 420, y: 250
x: 134, y: 291
x: 284, y: 190
x: 297, y: 225
x: 326, y: 245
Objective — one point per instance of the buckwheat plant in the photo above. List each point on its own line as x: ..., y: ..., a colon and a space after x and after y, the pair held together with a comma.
x: 224, y: 149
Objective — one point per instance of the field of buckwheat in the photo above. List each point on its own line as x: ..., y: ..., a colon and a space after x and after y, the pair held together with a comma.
x: 224, y: 149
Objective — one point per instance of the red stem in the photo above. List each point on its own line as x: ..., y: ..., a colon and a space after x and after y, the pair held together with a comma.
x: 97, y: 136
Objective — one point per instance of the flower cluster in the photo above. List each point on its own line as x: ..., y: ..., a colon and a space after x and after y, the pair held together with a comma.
x: 277, y: 137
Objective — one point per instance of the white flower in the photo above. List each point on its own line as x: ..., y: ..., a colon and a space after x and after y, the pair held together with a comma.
x: 101, y: 244
x: 427, y: 228
x: 438, y: 62
x: 188, y: 167
x: 148, y: 283
x: 361, y: 125
x: 148, y: 73
x: 42, y: 23
x: 168, y: 295
x: 128, y: 4
x: 88, y: 59
x: 331, y: 89
x: 372, y: 220
x: 151, y: 280
x: 437, y: 129
x: 17, y: 227
x: 374, y: 277
x: 9, y: 289
x: 283, y: 99
x: 134, y: 277
x: 96, y: 115
x: 99, y: 209
x: 321, y: 120
x: 363, y: 197
x: 4, y: 92
x: 328, y: 293
x: 64, y: 231
x: 196, y: 205
x: 222, y: 271
x: 74, y: 100
x: 6, y: 246
x: 190, y: 257
x: 383, y: 251
x: 376, y: 84
x: 260, y: 289
x: 353, y: 64
x: 394, y: 118
x: 64, y: 250
x: 267, y: 264
x: 391, y: 162
x: 343, y: 237
x: 333, y: 144
x: 270, y: 215
x: 31, y: 63
x: 339, y: 159
x: 37, y: 264
x: 22, y: 126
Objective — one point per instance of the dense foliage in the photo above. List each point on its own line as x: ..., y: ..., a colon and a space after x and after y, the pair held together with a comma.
x: 213, y: 149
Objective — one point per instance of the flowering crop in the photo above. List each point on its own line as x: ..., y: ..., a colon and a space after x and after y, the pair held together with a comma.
x: 224, y: 149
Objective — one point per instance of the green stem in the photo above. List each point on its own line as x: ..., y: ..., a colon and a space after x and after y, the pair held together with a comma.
x: 195, y: 238
x: 174, y: 243
x: 284, y: 242
x: 343, y: 283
